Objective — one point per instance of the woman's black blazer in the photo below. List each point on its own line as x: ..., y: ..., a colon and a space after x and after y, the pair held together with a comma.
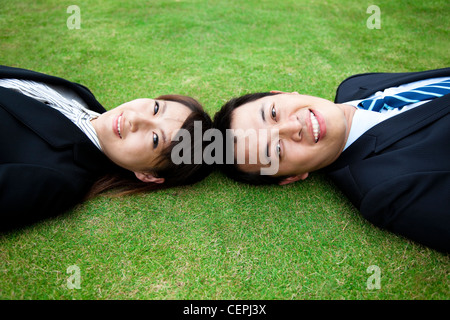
x: 47, y: 164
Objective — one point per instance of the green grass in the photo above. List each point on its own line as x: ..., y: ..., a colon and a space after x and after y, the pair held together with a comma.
x: 219, y: 239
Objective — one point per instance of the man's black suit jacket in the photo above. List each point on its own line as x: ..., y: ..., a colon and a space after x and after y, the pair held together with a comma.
x: 398, y: 172
x: 47, y: 164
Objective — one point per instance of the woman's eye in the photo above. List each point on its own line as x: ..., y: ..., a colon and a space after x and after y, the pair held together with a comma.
x: 274, y: 113
x: 156, y: 108
x: 155, y: 140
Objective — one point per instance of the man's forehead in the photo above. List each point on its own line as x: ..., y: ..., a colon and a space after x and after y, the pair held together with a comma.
x: 263, y: 102
x: 255, y: 104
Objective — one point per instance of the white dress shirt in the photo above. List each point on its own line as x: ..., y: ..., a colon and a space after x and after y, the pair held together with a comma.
x: 363, y: 119
x: 65, y: 101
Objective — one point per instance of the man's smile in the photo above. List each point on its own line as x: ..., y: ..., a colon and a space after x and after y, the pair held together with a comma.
x: 317, y: 125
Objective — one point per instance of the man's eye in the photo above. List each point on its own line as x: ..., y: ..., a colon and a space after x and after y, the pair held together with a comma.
x: 155, y: 140
x: 274, y: 113
x: 156, y: 108
x: 278, y: 149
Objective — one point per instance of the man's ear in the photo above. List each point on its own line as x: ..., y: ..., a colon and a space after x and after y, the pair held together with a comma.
x: 148, y: 177
x: 293, y: 179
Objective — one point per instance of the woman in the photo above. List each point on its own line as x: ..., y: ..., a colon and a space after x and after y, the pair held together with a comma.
x: 59, y: 146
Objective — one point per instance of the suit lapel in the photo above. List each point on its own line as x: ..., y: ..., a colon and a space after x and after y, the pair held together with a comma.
x: 361, y: 86
x: 406, y: 123
x: 82, y: 91
x: 392, y: 130
x: 53, y: 127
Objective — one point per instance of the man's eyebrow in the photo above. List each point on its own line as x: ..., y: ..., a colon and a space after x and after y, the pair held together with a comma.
x: 263, y: 116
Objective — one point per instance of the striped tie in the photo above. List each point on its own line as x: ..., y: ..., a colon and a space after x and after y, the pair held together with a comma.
x: 431, y: 91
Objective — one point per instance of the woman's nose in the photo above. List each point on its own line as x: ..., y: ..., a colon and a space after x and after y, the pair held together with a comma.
x: 141, y: 121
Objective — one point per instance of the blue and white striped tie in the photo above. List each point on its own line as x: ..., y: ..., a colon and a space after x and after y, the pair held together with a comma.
x: 401, y: 99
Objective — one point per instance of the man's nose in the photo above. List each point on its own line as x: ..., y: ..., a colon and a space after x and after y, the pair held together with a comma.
x: 290, y: 129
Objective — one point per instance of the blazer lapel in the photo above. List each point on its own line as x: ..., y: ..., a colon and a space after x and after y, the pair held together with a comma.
x: 82, y: 91
x: 53, y: 127
x: 361, y: 86
x: 360, y: 149
x: 406, y: 123
x: 391, y: 130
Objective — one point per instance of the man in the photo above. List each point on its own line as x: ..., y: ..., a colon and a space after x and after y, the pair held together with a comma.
x: 394, y: 165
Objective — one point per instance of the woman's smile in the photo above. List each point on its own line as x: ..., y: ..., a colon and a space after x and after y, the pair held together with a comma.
x: 117, y: 125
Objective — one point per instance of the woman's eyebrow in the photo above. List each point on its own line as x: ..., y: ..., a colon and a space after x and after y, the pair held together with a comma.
x: 164, y: 137
x: 164, y: 107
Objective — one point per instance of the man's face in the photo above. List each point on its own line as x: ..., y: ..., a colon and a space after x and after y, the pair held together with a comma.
x: 311, y: 133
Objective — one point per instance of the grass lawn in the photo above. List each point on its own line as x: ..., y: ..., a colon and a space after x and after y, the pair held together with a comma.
x: 219, y: 239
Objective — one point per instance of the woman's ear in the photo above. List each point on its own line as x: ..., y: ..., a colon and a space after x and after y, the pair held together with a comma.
x: 293, y: 179
x: 148, y: 177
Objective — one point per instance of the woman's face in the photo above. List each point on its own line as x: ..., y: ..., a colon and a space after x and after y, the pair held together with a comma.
x: 135, y: 133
